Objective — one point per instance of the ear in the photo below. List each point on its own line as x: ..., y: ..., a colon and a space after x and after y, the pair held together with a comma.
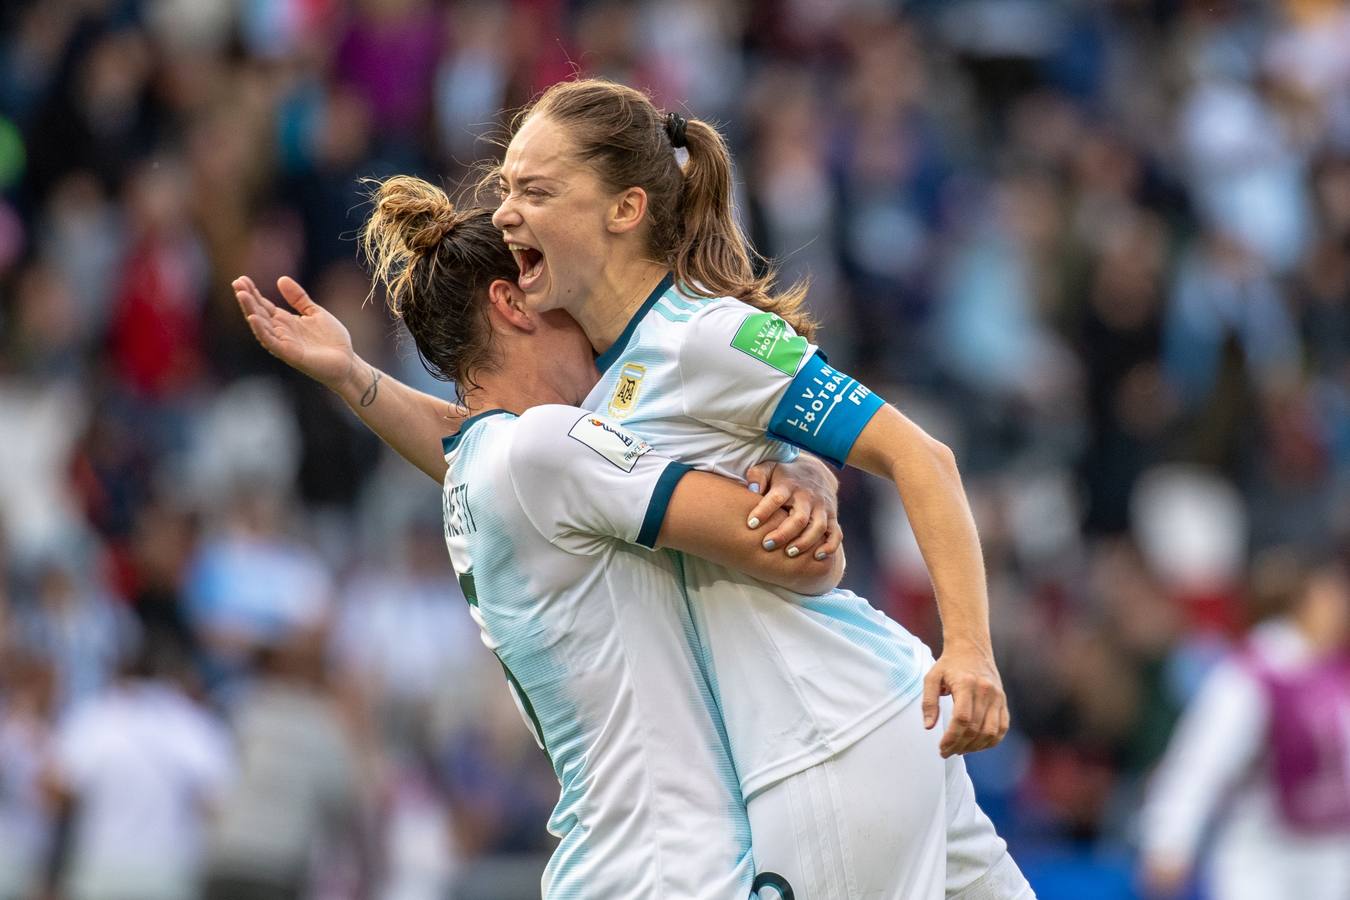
x: 628, y: 211
x: 506, y: 302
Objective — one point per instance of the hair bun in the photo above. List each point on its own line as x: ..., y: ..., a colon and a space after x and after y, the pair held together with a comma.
x: 418, y: 212
x: 425, y: 229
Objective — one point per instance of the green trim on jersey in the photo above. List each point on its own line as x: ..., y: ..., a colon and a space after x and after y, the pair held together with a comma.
x: 606, y: 359
x: 526, y: 705
x: 469, y: 586
x: 772, y: 880
x: 656, y: 507
x: 451, y: 442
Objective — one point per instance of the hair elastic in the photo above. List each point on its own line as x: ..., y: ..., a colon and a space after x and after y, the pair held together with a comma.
x: 675, y: 125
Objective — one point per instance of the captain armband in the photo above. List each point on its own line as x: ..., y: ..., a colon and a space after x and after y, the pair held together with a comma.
x: 823, y: 411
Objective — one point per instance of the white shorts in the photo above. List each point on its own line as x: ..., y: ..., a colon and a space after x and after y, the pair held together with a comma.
x: 886, y: 819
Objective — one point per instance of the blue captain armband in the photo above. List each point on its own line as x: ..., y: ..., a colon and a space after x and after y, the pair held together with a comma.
x: 824, y: 411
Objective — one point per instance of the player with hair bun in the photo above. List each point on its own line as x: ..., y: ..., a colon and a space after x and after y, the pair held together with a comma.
x: 551, y: 514
x: 850, y: 791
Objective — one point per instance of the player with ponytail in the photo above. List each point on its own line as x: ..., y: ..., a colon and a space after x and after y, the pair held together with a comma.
x: 622, y: 215
x: 551, y: 513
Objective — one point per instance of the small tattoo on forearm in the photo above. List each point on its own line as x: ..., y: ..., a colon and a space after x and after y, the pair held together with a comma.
x: 373, y: 391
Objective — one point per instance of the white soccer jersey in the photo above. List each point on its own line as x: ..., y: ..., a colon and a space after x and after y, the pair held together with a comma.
x: 720, y: 386
x: 546, y: 515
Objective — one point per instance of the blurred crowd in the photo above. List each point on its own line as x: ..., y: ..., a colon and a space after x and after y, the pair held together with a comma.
x: 1100, y: 247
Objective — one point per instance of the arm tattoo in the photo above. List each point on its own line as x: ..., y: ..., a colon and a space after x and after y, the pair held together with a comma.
x: 373, y: 391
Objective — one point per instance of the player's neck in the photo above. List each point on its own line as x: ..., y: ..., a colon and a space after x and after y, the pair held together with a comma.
x: 615, y: 298
x: 516, y: 390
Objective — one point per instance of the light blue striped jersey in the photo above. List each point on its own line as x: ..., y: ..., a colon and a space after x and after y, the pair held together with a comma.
x: 720, y: 386
x: 546, y: 515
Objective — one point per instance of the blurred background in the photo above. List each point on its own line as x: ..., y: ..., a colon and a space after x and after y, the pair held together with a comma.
x: 1100, y: 247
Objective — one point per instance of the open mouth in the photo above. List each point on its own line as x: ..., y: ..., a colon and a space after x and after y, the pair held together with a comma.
x: 530, y: 261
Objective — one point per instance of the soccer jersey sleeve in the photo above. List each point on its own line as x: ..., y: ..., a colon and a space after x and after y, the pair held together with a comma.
x: 746, y: 367
x: 579, y: 475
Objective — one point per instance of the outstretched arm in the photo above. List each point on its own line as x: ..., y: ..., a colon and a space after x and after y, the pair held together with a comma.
x: 924, y: 471
x: 584, y: 480
x: 312, y: 340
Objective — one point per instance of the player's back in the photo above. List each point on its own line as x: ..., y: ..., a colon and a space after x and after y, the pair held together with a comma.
x: 600, y: 653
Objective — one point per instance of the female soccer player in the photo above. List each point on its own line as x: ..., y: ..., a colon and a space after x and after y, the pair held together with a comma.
x: 843, y: 658
x: 542, y: 514
x: 699, y: 357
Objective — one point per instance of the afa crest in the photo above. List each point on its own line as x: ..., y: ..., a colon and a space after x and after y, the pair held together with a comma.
x: 626, y: 391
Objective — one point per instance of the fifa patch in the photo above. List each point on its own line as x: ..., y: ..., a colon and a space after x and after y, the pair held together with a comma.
x: 767, y: 338
x: 626, y: 391
x: 617, y: 445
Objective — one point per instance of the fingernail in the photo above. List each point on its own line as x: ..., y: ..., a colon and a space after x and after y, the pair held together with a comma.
x: 754, y: 487
x: 821, y: 554
x: 770, y: 544
x: 753, y: 522
x: 792, y: 551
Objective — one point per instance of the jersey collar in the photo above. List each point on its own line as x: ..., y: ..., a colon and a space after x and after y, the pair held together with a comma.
x: 452, y: 442
x: 606, y: 359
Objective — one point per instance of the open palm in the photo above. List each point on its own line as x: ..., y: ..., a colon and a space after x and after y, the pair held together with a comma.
x: 310, y: 340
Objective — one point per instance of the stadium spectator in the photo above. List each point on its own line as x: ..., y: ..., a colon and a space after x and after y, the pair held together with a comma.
x: 25, y: 737
x: 78, y: 627
x: 1264, y: 752
x: 300, y: 795
x: 135, y: 770
x: 1100, y: 238
x: 251, y: 584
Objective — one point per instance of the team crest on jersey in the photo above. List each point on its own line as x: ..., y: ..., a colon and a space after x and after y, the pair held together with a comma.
x: 622, y: 448
x: 768, y: 339
x: 626, y: 391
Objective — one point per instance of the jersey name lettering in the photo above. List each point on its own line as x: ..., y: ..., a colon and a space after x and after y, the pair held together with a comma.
x: 458, y: 517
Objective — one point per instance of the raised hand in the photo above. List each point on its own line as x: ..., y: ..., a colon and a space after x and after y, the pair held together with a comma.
x: 310, y: 339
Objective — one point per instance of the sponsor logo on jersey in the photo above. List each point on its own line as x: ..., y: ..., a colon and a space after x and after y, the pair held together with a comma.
x: 626, y: 391
x: 621, y: 448
x: 768, y: 339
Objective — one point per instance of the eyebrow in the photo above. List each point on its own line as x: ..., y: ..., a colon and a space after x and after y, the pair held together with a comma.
x: 524, y: 179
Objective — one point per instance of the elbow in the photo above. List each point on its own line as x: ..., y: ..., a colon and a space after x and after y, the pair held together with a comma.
x: 821, y: 577
x: 811, y: 587
x: 930, y: 456
x: 943, y: 457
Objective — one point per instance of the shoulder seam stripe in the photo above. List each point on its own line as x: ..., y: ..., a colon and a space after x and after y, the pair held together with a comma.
x: 669, y: 315
x: 679, y: 301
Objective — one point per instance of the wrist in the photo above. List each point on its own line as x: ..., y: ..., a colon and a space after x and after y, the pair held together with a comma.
x: 968, y: 639
x: 354, y: 381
